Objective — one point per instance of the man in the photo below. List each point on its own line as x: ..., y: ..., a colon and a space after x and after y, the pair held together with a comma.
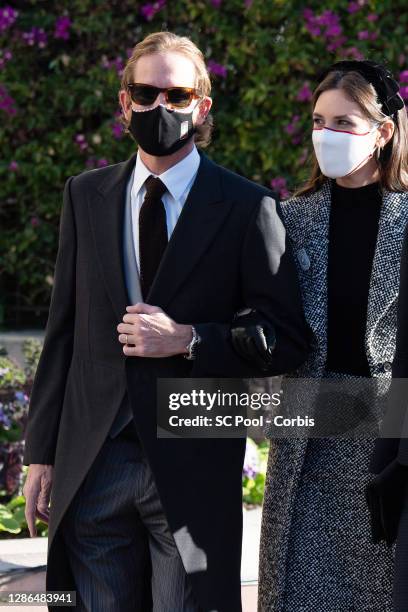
x: 156, y: 255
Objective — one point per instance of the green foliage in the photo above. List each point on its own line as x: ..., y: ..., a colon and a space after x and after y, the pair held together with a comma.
x: 13, y: 521
x: 31, y: 350
x: 11, y: 375
x: 61, y: 85
x: 253, y: 479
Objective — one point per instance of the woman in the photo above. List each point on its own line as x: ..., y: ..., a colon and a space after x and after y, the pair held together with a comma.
x: 388, y: 492
x: 346, y: 227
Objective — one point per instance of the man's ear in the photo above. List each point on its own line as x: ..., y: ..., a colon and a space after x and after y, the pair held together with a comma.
x: 125, y: 104
x: 203, y: 109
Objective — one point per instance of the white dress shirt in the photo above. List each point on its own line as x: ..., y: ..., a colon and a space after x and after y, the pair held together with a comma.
x: 178, y: 179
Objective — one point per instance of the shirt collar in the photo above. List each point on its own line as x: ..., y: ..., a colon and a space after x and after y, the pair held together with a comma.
x: 177, y: 178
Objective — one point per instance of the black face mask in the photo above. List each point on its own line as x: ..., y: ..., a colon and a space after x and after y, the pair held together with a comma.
x: 160, y: 131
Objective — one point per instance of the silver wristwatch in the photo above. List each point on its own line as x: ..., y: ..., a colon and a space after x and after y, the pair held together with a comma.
x: 192, y: 346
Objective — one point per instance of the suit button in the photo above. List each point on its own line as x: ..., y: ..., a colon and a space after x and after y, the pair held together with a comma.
x: 387, y: 366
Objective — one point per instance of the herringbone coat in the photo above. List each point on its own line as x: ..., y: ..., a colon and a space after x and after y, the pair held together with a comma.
x: 316, y: 551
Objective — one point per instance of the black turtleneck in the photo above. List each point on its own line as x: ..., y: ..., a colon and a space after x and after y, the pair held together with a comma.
x: 354, y: 218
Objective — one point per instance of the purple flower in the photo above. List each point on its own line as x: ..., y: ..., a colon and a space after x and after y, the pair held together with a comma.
x: 217, y: 69
x: 62, y: 26
x: 5, y: 56
x: 333, y: 30
x: 279, y: 184
x: 303, y: 157
x: 35, y: 36
x: 35, y: 222
x: 13, y: 166
x: 354, y: 53
x: 328, y: 18
x: 353, y: 7
x: 216, y: 3
x: 149, y: 10
x: 307, y: 13
x: 251, y: 461
x: 293, y: 125
x: 372, y: 17
x: 81, y: 142
x: 8, y: 15
x: 102, y: 162
x: 403, y: 77
x: 363, y: 35
x: 336, y: 43
x: 304, y: 94
x: 293, y: 129
x: 7, y: 104
x: 326, y: 24
x: 404, y: 92
x: 313, y: 30
x: 373, y: 35
x: 5, y: 419
x: 116, y: 63
x: 117, y: 130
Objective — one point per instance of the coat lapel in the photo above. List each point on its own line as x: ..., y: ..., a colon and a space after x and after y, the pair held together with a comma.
x: 307, y: 220
x: 201, y: 217
x: 384, y: 280
x: 107, y: 208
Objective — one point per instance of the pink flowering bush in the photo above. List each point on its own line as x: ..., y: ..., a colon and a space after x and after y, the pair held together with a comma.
x: 60, y: 68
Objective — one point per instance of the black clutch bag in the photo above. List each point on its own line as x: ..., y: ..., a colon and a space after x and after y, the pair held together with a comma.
x: 253, y: 338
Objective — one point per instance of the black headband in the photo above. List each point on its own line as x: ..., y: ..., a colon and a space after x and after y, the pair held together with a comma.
x: 380, y: 78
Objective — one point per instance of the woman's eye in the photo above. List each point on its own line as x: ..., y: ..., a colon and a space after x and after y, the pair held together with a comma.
x: 344, y: 122
x: 316, y: 120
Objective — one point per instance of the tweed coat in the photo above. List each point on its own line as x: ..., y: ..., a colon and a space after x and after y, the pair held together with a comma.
x: 316, y: 551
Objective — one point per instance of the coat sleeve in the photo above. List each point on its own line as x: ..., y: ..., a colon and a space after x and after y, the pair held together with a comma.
x: 51, y: 375
x: 400, y: 364
x: 386, y: 448
x: 270, y: 286
x: 389, y: 461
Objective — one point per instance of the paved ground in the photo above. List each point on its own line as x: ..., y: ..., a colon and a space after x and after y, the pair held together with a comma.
x: 22, y: 564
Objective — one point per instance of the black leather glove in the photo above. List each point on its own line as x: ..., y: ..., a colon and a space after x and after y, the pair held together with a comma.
x: 253, y: 338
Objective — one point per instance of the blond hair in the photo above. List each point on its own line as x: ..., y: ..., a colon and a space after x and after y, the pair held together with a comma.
x: 160, y: 42
x: 392, y: 160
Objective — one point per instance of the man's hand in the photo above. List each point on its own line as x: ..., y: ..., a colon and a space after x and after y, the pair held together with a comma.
x: 152, y: 332
x: 37, y: 491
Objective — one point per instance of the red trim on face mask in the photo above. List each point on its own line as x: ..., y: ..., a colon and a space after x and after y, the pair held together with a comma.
x: 341, y: 131
x: 360, y: 165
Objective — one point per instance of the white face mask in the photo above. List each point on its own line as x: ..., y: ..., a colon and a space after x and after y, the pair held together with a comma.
x: 341, y: 153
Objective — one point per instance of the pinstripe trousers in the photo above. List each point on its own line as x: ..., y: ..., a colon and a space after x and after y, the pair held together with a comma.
x: 118, y: 539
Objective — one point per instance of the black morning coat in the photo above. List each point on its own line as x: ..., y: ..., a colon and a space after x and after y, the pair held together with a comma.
x: 228, y: 251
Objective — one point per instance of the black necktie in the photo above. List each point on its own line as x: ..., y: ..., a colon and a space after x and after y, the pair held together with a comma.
x: 152, y: 232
